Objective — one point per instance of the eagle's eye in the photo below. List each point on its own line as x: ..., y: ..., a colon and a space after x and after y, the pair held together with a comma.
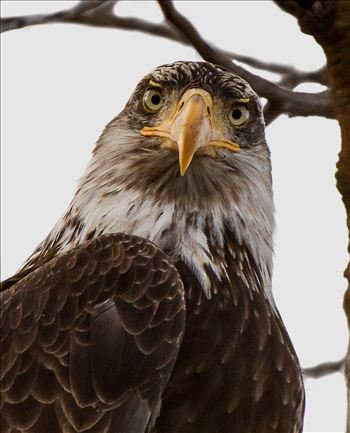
x: 239, y: 114
x: 153, y: 100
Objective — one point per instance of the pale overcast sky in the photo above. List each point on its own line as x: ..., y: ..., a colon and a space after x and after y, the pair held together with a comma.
x: 62, y: 83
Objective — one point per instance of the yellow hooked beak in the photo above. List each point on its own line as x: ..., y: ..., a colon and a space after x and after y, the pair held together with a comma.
x: 190, y: 129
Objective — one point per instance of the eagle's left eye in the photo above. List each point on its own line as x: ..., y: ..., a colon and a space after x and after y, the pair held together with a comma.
x: 153, y: 100
x: 239, y: 114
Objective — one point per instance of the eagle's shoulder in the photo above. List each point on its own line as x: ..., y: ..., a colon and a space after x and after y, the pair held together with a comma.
x: 97, y: 327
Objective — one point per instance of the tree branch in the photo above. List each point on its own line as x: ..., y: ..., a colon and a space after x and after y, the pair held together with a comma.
x: 289, y: 81
x: 94, y: 14
x: 281, y: 98
x: 324, y: 369
x: 164, y: 31
x: 292, y: 103
x: 12, y: 23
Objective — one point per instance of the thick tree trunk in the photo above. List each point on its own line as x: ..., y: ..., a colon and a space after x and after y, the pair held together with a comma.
x: 338, y: 59
x: 338, y: 65
x: 328, y: 21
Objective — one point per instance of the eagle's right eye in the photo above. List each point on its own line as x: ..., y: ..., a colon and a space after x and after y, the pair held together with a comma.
x: 152, y: 100
x: 239, y: 115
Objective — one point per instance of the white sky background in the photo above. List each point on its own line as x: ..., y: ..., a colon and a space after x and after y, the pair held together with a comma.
x: 62, y: 83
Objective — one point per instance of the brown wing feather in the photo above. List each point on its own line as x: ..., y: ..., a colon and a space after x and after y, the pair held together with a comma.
x: 237, y: 371
x: 89, y: 339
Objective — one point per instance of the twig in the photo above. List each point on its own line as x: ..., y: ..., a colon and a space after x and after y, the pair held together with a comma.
x: 30, y: 20
x: 324, y: 369
x: 290, y: 81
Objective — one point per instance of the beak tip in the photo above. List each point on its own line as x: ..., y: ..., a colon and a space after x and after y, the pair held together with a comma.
x: 184, y: 164
x: 182, y: 171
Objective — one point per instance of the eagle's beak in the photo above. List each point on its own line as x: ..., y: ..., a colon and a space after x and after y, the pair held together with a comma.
x: 191, y: 128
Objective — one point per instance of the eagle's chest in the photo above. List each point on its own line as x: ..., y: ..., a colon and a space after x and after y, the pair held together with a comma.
x: 236, y: 370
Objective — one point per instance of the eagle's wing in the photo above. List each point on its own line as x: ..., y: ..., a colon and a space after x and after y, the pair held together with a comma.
x: 90, y: 338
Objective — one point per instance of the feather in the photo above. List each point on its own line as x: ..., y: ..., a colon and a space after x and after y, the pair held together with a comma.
x: 101, y: 348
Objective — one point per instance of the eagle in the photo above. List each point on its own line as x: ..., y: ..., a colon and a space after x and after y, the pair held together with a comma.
x: 148, y: 308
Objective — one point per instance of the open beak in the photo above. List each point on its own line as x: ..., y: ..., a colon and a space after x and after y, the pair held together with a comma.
x: 191, y: 129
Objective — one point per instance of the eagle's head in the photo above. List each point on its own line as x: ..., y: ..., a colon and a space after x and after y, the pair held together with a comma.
x: 186, y: 165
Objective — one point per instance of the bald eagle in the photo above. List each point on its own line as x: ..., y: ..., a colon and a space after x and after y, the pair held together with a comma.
x: 148, y: 308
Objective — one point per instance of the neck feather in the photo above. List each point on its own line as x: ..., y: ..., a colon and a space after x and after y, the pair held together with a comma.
x: 192, y: 218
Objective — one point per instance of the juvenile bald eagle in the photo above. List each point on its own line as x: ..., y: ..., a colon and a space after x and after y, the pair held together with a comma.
x: 148, y: 308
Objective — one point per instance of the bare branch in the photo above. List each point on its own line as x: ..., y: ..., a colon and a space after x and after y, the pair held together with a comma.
x: 289, y: 81
x: 164, y: 31
x: 324, y: 369
x: 292, y: 103
x: 30, y: 20
x: 271, y: 112
x: 103, y: 16
x: 281, y: 99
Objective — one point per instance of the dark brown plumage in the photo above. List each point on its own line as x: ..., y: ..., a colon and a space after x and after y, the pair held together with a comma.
x: 175, y: 331
x: 75, y: 327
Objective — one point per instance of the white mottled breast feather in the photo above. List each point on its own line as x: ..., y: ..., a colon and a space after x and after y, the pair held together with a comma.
x: 104, y: 207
